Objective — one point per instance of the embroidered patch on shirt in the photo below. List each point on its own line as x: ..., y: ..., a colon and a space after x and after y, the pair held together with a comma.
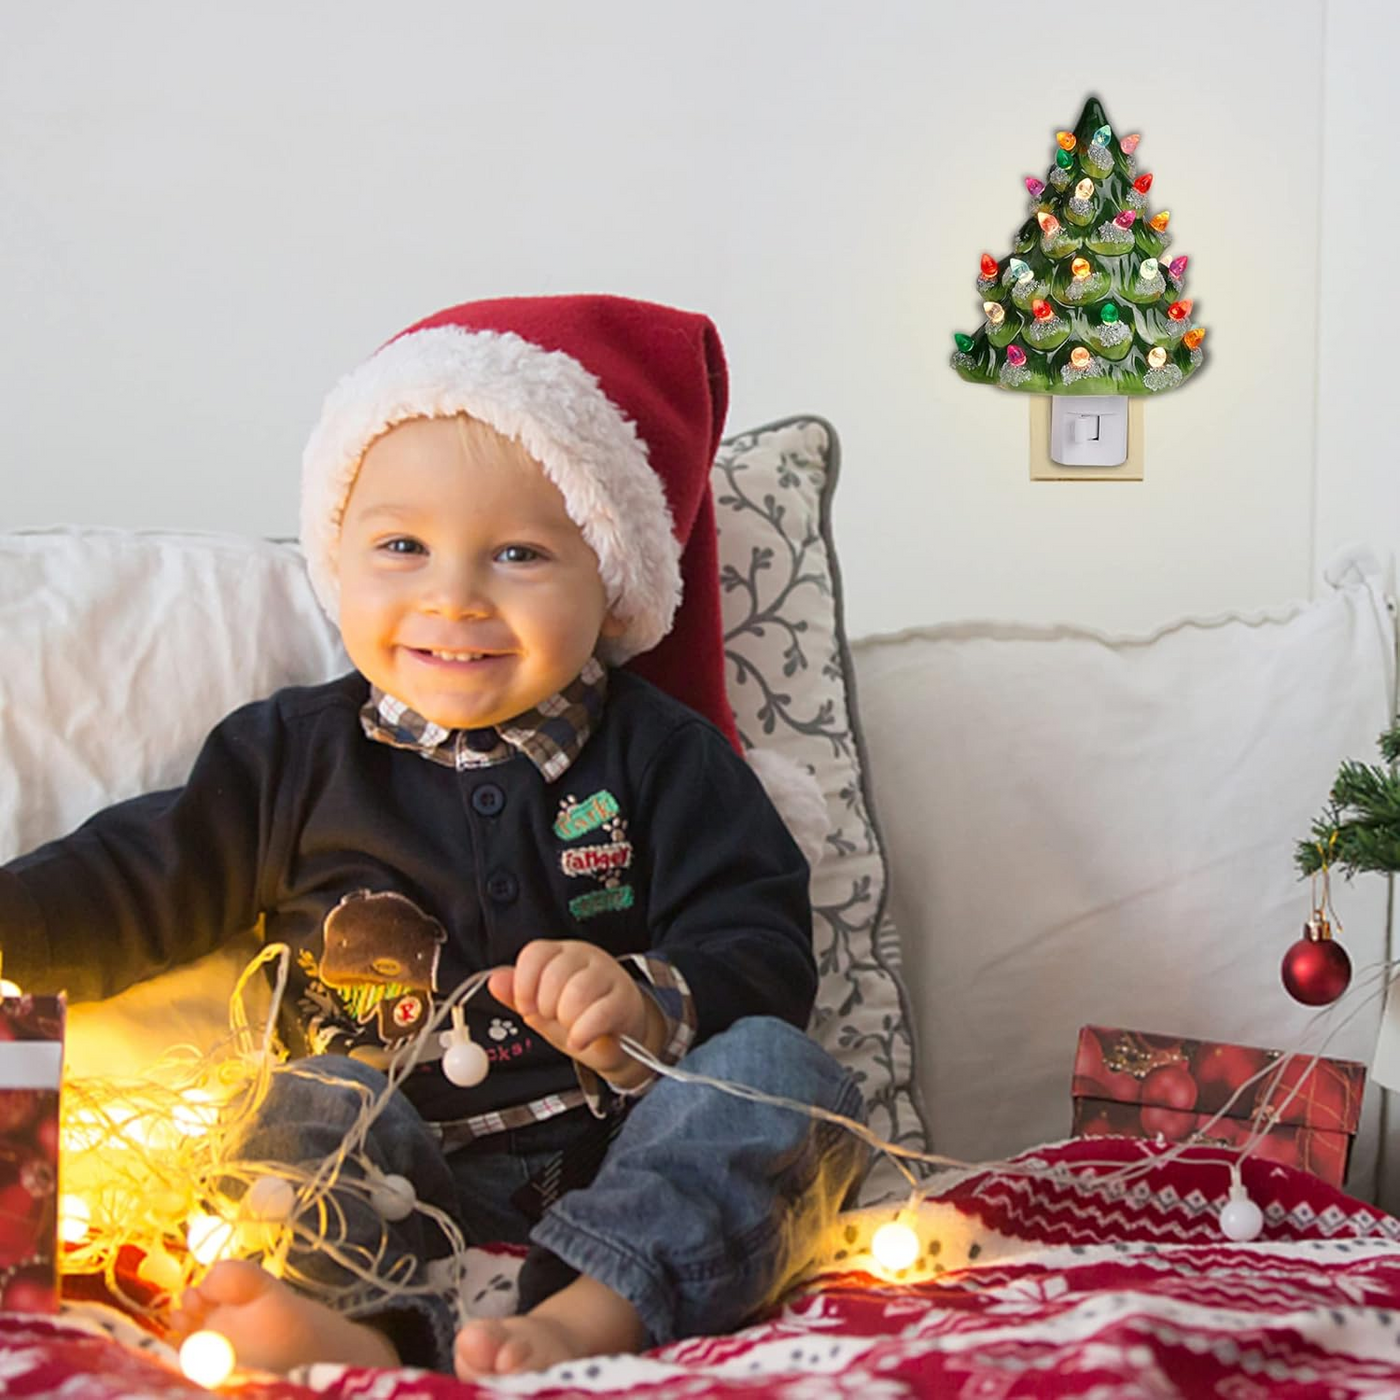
x: 596, y: 860
x: 579, y: 818
x: 604, y: 901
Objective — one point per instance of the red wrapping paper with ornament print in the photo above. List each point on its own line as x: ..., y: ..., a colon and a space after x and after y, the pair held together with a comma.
x: 31, y: 1066
x: 1142, y: 1084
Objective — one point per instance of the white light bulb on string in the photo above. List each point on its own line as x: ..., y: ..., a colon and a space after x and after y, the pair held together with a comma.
x: 392, y: 1196
x: 1148, y: 270
x: 74, y: 1219
x: 464, y: 1062
x: 161, y: 1270
x: 1240, y: 1219
x: 270, y: 1198
x: 267, y: 1206
x: 895, y: 1246
x: 8, y: 988
x: 209, y: 1237
x: 207, y: 1358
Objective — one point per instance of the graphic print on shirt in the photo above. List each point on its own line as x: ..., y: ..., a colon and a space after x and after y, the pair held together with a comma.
x: 379, y: 959
x: 603, y: 861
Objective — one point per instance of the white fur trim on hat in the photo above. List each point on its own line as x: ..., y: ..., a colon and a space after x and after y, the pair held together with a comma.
x: 557, y: 411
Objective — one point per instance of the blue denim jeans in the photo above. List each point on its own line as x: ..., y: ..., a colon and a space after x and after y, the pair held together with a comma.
x: 705, y: 1208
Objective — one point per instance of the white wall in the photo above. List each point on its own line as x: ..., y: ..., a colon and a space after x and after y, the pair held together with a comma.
x: 207, y: 213
x: 1358, y: 484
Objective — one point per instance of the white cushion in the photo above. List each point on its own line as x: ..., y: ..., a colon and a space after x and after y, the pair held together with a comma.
x: 121, y: 650
x: 1091, y: 829
x: 789, y: 680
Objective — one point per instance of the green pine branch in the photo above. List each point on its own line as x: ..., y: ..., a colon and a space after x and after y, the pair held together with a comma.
x: 1360, y: 830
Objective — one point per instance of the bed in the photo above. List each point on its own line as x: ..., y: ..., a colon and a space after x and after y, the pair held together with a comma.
x: 1017, y: 913
x: 1024, y: 1287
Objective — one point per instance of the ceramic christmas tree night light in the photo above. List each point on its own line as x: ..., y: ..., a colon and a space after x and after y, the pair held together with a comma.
x: 1089, y: 301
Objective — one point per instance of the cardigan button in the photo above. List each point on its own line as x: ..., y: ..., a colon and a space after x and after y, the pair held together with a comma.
x: 502, y: 886
x: 488, y: 799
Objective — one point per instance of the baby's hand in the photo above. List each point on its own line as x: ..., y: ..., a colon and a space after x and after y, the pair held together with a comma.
x: 581, y: 1000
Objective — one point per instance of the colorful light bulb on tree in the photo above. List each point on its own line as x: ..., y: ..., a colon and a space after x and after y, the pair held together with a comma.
x: 1089, y: 242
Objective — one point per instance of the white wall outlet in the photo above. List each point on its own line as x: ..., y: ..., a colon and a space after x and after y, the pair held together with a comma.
x: 1089, y: 430
x: 1075, y: 437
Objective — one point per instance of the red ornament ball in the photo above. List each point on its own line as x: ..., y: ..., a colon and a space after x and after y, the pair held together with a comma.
x: 1316, y: 971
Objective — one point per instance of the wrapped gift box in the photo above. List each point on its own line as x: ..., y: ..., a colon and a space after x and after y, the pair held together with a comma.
x: 31, y: 1065
x: 1139, y: 1084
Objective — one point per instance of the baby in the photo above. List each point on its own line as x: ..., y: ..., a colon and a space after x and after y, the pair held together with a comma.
x: 500, y: 509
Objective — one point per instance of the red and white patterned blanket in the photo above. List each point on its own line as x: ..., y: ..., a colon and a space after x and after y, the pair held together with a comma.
x: 1023, y: 1288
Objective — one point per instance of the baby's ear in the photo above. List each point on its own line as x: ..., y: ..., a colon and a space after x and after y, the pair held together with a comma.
x: 613, y: 626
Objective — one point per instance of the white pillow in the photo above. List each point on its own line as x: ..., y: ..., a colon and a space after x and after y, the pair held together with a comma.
x: 789, y: 680
x: 1090, y: 829
x: 119, y: 651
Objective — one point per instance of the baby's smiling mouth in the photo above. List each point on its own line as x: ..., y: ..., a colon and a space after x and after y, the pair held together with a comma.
x: 455, y: 656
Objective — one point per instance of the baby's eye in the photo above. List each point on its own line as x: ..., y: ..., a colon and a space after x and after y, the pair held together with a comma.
x: 403, y: 544
x: 518, y: 554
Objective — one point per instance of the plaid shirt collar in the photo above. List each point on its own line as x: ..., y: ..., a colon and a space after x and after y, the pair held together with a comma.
x: 550, y: 735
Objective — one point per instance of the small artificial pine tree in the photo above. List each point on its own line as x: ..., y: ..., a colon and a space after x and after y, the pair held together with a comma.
x: 1085, y: 303
x: 1360, y: 830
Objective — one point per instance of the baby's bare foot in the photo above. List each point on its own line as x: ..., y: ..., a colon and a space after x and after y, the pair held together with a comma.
x: 585, y: 1319
x: 271, y: 1326
x: 498, y: 1346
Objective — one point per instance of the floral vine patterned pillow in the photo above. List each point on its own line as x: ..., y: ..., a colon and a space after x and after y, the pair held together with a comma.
x: 789, y: 679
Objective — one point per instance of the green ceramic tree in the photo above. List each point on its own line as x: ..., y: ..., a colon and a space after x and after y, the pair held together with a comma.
x: 1086, y: 302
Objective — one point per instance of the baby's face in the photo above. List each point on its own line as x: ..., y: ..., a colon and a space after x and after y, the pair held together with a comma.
x: 466, y: 591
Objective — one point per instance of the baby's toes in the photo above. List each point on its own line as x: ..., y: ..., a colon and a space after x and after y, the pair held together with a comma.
x: 477, y: 1346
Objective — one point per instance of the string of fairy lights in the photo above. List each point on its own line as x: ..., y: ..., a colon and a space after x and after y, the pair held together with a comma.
x: 152, y: 1164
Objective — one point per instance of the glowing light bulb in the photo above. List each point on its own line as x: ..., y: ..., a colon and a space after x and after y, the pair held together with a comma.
x: 207, y: 1358
x: 963, y: 342
x: 1036, y: 187
x: 1020, y: 271
x: 197, y: 1113
x: 1109, y: 313
x: 1193, y: 337
x: 995, y: 312
x: 1160, y: 221
x: 1148, y: 270
x: 1084, y: 189
x: 1041, y: 309
x: 161, y: 1270
x: 1180, y: 310
x: 1101, y: 137
x: 988, y: 266
x: 1079, y: 357
x: 74, y: 1219
x: 1177, y: 267
x: 1063, y: 159
x: 1049, y: 224
x: 1125, y: 219
x: 1156, y: 357
x: 1015, y: 356
x: 8, y: 988
x: 895, y: 1246
x: 1143, y: 183
x: 1129, y: 144
x: 1080, y: 268
x: 209, y: 1237
x: 1066, y: 140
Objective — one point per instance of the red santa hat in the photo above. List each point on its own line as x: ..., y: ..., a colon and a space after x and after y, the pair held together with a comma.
x: 621, y: 402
